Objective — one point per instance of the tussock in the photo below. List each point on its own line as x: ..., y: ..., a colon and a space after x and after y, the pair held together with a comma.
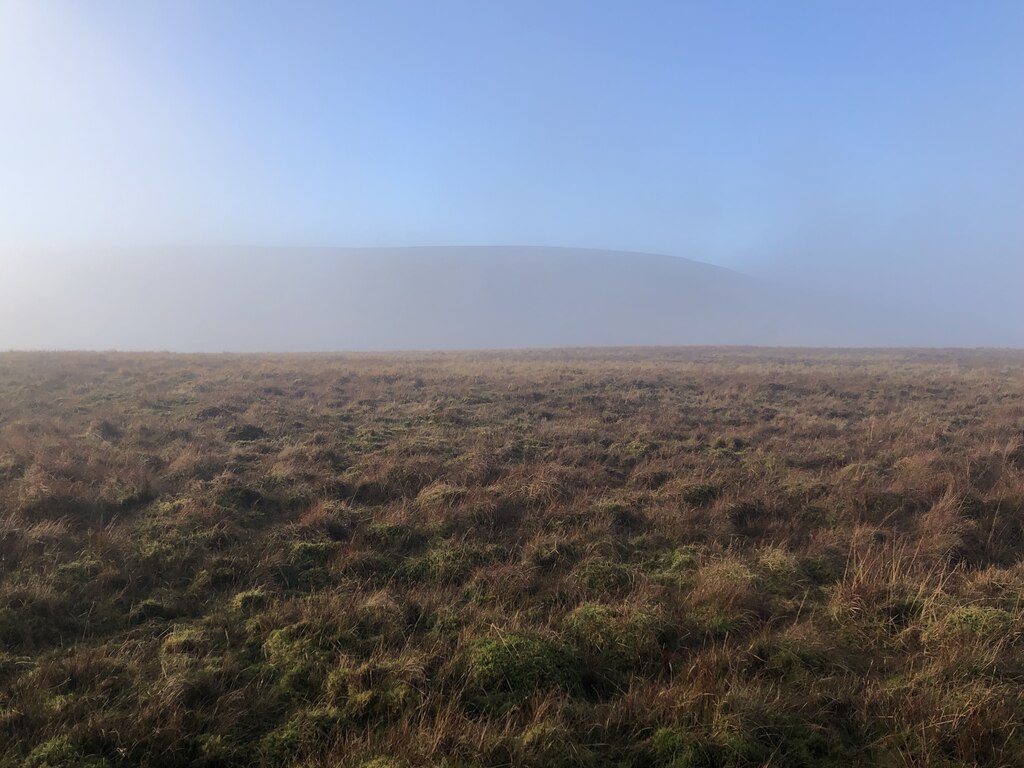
x: 670, y: 557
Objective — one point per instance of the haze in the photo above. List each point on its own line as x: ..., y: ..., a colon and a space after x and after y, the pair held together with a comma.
x: 181, y: 175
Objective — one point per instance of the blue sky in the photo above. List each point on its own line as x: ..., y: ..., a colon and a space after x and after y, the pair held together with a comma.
x: 821, y: 141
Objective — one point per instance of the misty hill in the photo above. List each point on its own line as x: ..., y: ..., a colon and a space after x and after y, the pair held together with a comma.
x: 412, y: 298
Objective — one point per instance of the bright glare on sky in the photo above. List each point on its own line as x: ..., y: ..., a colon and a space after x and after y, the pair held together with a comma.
x: 828, y: 142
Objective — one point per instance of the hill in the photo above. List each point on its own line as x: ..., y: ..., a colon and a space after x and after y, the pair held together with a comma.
x: 310, y: 299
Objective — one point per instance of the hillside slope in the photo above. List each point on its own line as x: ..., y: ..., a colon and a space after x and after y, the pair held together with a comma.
x: 409, y: 298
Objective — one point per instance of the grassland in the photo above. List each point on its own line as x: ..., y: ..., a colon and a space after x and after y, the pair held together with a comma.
x: 660, y: 558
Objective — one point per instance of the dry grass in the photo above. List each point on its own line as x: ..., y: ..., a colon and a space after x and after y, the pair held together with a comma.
x: 629, y: 557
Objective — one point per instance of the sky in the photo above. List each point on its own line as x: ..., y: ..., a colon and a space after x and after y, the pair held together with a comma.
x: 869, y: 147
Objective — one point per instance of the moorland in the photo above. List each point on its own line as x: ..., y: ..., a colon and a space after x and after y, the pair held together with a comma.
x: 644, y: 558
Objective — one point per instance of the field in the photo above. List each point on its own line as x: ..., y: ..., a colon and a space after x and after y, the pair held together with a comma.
x: 638, y: 558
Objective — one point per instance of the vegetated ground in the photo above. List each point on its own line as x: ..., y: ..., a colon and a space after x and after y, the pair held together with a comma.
x: 666, y: 557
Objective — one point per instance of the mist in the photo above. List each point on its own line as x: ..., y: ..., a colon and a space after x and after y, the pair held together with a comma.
x: 318, y: 299
x: 965, y: 276
x: 846, y: 175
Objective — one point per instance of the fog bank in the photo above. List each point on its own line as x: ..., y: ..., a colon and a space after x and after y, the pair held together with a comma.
x: 309, y: 299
